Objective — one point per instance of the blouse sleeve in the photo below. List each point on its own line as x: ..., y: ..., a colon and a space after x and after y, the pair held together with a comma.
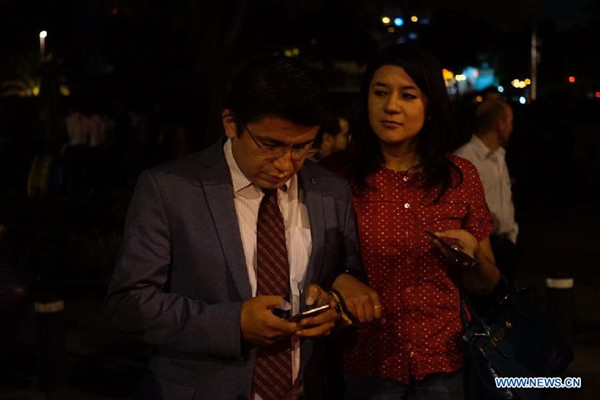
x: 478, y: 221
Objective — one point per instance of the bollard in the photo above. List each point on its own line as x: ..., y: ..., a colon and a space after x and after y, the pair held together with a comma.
x: 51, y: 344
x: 559, y: 303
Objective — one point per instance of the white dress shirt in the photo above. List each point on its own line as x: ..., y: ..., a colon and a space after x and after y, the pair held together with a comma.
x: 493, y: 173
x: 247, y: 198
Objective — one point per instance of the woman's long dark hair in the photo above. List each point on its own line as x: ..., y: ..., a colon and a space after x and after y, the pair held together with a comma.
x: 436, y: 136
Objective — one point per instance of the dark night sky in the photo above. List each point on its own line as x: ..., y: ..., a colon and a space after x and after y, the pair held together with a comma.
x: 165, y: 40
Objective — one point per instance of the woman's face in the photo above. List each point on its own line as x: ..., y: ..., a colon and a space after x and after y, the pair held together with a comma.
x: 396, y: 106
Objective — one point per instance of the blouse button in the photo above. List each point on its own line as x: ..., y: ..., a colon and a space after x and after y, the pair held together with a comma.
x: 406, y: 205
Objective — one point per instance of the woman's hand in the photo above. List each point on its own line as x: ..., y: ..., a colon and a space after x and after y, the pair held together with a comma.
x: 482, y: 277
x: 459, y: 238
x: 362, y: 301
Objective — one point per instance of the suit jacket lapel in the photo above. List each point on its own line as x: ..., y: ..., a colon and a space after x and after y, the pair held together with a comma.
x: 216, y: 181
x: 314, y: 204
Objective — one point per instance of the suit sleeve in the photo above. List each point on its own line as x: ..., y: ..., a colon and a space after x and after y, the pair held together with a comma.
x: 353, y: 264
x: 138, y: 300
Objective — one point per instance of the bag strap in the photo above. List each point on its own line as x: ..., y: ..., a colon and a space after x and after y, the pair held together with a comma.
x: 465, y: 304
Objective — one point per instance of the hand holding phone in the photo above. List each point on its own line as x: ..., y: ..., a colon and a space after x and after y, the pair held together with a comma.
x: 453, y: 252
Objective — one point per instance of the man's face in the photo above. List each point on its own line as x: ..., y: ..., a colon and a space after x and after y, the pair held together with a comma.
x: 340, y: 140
x: 264, y: 170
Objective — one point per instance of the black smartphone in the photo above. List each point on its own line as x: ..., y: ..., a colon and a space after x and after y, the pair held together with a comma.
x: 458, y: 256
x: 309, y: 313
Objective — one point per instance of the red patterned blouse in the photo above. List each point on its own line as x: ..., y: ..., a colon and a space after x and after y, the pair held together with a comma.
x: 416, y: 285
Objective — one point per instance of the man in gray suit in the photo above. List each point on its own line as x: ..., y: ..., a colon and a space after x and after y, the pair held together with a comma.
x: 191, y: 275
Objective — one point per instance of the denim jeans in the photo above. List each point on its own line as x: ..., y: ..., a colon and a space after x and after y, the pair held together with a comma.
x: 439, y: 386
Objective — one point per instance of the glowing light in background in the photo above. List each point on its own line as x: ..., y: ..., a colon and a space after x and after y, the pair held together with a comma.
x: 500, y: 89
x: 519, y: 84
x: 64, y: 90
x: 398, y: 21
x: 414, y: 18
x: 522, y: 100
x: 385, y: 20
x: 391, y: 29
x: 43, y: 35
x: 447, y: 74
x: 572, y: 79
x: 460, y: 77
x: 479, y: 99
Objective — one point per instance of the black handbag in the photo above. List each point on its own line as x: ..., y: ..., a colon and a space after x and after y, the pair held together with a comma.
x: 512, y: 338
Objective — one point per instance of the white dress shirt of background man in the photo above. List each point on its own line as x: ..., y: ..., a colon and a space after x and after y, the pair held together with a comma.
x: 492, y: 126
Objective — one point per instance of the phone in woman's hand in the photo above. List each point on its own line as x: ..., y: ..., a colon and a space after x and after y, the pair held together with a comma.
x: 454, y: 252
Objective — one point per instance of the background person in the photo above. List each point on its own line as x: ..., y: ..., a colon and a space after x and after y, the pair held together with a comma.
x: 492, y: 126
x: 332, y: 137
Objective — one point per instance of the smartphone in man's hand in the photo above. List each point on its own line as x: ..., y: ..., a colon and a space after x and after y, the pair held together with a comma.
x: 309, y: 313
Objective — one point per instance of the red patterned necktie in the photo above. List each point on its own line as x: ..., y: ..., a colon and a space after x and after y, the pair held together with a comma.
x: 273, y: 369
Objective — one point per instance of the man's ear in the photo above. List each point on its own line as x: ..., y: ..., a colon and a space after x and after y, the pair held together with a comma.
x: 327, y: 140
x: 501, y: 125
x: 229, y: 123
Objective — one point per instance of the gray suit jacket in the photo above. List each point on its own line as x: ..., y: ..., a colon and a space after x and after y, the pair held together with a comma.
x: 181, y: 278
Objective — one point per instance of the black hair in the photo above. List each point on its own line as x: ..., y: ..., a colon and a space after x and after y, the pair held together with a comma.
x: 282, y: 87
x: 436, y: 136
x: 331, y: 127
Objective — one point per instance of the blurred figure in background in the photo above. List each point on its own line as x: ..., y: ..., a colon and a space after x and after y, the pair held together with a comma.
x: 331, y: 138
x: 492, y: 126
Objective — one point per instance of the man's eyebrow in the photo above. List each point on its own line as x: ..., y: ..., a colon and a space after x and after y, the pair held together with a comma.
x: 271, y: 141
x: 304, y: 143
x: 278, y: 143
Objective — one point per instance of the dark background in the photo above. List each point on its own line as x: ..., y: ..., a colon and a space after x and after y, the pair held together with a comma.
x: 159, y: 72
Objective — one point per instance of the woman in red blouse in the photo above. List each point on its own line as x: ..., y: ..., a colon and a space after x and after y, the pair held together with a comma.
x: 404, y: 183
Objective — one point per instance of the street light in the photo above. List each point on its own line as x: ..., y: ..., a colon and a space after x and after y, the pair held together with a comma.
x: 43, y: 35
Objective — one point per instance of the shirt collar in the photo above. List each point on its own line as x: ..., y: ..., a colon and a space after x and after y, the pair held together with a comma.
x: 240, y: 181
x: 483, y: 151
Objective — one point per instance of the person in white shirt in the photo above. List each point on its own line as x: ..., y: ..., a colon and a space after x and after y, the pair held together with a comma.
x: 493, y: 125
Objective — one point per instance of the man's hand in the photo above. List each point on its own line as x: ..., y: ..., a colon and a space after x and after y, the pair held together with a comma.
x: 362, y: 301
x: 260, y: 326
x: 323, y: 323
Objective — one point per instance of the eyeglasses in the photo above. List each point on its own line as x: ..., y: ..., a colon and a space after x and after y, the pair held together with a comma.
x: 275, y: 152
